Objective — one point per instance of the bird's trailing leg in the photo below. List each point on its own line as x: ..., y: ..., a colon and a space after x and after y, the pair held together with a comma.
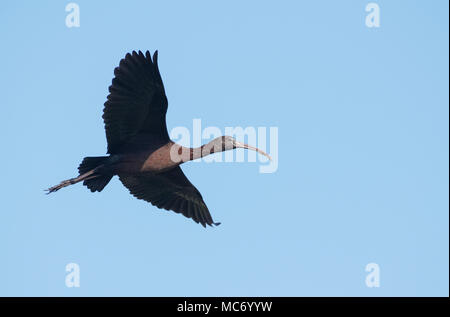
x: 71, y: 181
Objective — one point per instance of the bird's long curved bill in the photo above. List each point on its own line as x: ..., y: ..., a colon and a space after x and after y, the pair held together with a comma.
x: 249, y: 147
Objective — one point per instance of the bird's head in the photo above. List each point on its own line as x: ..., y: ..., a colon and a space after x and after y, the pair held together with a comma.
x: 229, y: 143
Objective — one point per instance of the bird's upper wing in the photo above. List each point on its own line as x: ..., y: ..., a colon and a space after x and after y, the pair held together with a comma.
x: 170, y: 190
x: 137, y: 103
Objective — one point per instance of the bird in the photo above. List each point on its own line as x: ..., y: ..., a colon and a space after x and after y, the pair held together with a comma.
x: 140, y: 151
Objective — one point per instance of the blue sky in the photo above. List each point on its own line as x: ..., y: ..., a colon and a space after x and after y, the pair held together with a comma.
x: 362, y: 115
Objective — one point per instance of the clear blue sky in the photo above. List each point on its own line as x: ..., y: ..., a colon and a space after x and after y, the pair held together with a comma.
x: 363, y: 148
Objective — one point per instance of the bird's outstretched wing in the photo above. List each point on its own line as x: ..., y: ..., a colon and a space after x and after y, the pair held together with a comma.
x: 170, y: 190
x: 137, y: 103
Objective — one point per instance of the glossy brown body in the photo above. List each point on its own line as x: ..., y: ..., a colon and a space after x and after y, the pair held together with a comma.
x: 162, y: 159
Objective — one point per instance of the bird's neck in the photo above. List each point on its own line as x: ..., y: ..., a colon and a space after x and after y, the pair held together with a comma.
x: 184, y: 154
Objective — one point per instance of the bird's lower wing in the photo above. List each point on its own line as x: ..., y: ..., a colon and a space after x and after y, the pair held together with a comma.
x: 170, y: 190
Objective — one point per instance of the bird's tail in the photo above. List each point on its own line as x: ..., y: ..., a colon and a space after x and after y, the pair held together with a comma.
x: 91, y: 173
x: 94, y: 163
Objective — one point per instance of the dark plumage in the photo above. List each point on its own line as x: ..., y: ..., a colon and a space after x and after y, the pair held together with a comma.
x: 139, y: 145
